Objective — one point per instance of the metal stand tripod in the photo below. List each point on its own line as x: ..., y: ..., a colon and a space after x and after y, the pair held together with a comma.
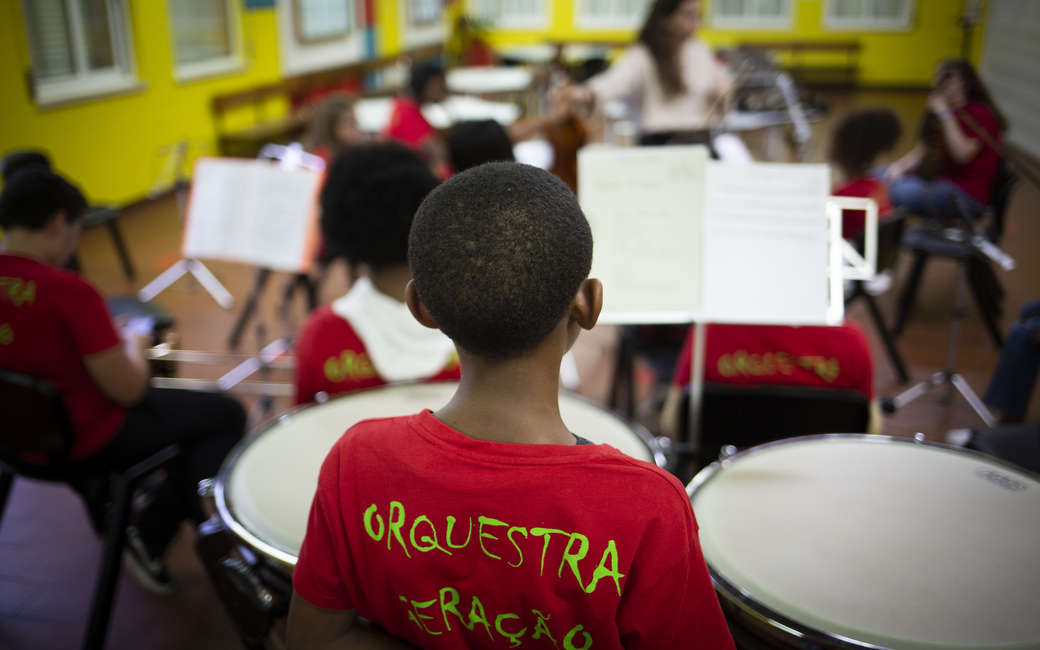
x: 949, y: 376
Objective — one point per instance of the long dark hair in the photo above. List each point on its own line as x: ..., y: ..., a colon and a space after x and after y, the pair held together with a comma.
x: 974, y: 89
x: 664, y: 46
x: 322, y: 129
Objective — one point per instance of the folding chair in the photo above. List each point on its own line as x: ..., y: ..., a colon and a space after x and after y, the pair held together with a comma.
x: 34, y: 424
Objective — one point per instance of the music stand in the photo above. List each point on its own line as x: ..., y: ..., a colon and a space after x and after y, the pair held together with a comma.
x: 174, y: 166
x: 974, y: 244
x: 289, y: 157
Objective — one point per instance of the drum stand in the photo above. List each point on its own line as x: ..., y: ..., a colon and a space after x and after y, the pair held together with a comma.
x: 948, y: 377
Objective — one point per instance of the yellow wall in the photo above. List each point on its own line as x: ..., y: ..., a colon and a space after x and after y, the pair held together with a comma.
x: 886, y: 59
x: 110, y: 146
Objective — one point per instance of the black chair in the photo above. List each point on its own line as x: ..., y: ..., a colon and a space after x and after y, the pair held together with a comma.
x: 745, y: 416
x: 936, y: 239
x: 890, y: 235
x: 96, y: 215
x: 33, y: 422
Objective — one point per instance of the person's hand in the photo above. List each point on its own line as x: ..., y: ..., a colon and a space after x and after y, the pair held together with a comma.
x: 937, y: 103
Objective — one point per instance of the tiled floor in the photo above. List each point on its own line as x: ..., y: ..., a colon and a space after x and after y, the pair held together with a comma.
x: 49, y: 555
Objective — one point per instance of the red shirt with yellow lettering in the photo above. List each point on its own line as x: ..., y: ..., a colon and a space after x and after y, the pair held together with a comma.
x: 451, y: 542
x: 49, y: 320
x: 331, y: 358
x: 749, y: 355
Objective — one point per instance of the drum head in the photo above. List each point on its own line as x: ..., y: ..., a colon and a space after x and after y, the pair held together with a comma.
x: 878, y: 540
x: 265, y: 489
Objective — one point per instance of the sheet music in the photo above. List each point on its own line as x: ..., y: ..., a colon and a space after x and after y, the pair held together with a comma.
x: 645, y: 207
x: 215, y: 207
x: 280, y: 217
x: 253, y: 212
x: 766, y: 251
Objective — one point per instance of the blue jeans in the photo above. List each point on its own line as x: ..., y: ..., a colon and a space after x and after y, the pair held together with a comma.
x: 1015, y: 377
x: 934, y: 198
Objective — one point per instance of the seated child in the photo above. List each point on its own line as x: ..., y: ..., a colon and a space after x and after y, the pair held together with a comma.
x: 488, y: 523
x: 426, y: 85
x: 752, y: 355
x: 368, y: 337
x: 333, y: 128
x: 56, y: 327
x: 858, y: 141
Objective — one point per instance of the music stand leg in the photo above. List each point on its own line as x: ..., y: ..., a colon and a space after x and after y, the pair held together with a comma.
x: 948, y: 377
x: 199, y: 271
x: 250, y: 307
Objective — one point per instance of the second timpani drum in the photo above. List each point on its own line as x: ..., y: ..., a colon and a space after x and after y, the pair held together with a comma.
x: 264, y: 490
x: 851, y: 541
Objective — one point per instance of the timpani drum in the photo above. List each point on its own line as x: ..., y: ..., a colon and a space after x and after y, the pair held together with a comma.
x: 264, y: 490
x: 853, y: 541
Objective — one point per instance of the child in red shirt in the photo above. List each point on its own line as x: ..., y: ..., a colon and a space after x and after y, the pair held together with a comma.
x: 56, y: 327
x: 368, y: 337
x: 408, y: 125
x: 779, y: 355
x: 488, y: 523
x: 858, y: 141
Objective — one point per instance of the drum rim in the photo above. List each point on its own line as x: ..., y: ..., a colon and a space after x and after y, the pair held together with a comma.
x: 225, y: 504
x: 744, y: 601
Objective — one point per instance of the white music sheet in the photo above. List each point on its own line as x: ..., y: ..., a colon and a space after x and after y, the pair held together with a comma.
x: 766, y: 248
x: 253, y: 212
x: 644, y: 206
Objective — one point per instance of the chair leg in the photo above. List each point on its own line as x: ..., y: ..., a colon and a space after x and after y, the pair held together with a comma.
x: 6, y: 479
x: 124, y: 256
x: 986, y: 309
x: 886, y: 338
x: 906, y: 299
x: 108, y: 577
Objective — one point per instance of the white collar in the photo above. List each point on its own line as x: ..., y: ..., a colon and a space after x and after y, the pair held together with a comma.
x: 401, y: 349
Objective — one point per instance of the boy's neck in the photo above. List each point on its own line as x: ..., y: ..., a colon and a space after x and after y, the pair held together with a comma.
x: 32, y: 244
x: 392, y: 281
x: 515, y: 401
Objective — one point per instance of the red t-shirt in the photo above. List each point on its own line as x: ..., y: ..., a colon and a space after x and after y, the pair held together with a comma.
x: 750, y: 355
x: 867, y: 187
x: 407, y: 123
x: 451, y: 542
x: 977, y: 175
x: 331, y: 358
x: 49, y: 320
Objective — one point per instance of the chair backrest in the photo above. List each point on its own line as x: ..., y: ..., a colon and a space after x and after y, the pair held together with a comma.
x: 745, y: 416
x: 32, y: 421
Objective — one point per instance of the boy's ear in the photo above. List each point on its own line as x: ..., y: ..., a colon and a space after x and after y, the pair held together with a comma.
x: 57, y: 220
x: 588, y: 303
x: 418, y: 309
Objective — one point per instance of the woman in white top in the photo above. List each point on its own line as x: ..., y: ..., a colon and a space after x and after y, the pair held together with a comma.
x: 675, y: 76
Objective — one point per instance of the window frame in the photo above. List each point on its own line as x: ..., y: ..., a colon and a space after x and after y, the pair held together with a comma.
x: 196, y: 70
x: 302, y: 40
x: 903, y: 24
x: 413, y: 34
x: 725, y: 23
x: 85, y: 84
x: 510, y: 23
x: 614, y: 21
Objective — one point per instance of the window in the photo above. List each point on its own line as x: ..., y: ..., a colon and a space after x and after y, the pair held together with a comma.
x: 317, y: 21
x: 611, y: 14
x: 509, y: 14
x: 874, y: 15
x: 743, y: 14
x: 79, y: 48
x: 205, y: 37
x: 422, y: 13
